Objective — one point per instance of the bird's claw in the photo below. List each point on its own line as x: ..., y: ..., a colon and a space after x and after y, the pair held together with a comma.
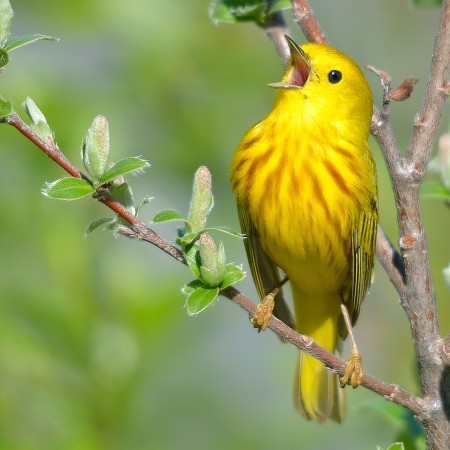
x: 263, y: 312
x: 353, y: 371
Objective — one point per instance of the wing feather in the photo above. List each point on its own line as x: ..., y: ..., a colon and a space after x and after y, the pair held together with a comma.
x: 363, y: 249
x: 265, y: 273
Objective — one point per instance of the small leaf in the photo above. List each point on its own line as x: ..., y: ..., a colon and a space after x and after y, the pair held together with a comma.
x: 4, y: 58
x: 279, y: 5
x: 144, y: 201
x: 192, y: 256
x: 95, y: 148
x: 68, y: 189
x: 397, y: 446
x: 102, y: 222
x: 232, y: 11
x: 169, y: 215
x: 5, y: 108
x: 38, y: 121
x: 233, y: 274
x: 123, y: 167
x: 435, y: 190
x: 200, y: 299
x: 6, y: 15
x: 189, y: 288
x: 187, y: 239
x: 224, y: 229
x: 123, y: 194
x: 20, y: 41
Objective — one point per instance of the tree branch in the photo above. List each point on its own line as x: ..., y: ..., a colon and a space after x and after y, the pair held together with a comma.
x: 389, y: 259
x: 276, y: 28
x: 428, y: 119
x: 306, y: 20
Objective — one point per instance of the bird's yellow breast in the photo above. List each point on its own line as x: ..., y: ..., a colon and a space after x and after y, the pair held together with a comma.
x: 303, y: 188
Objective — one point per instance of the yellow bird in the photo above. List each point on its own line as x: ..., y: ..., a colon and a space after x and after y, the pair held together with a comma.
x: 305, y: 183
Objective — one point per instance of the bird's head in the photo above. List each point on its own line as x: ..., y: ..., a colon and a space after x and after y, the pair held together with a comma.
x: 328, y: 82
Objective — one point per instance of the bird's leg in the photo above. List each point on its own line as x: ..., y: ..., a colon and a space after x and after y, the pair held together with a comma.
x: 264, y: 308
x: 353, y: 370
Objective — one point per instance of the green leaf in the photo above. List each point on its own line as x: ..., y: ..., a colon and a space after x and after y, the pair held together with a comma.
x: 189, y: 288
x: 224, y: 229
x: 144, y: 201
x: 38, y: 121
x: 4, y: 58
x: 279, y: 5
x: 169, y: 215
x: 200, y: 299
x: 123, y: 167
x: 5, y: 108
x: 435, y: 190
x: 191, y: 253
x: 397, y: 446
x: 124, y: 195
x: 95, y: 148
x: 20, y: 41
x: 232, y: 11
x: 102, y: 222
x: 68, y: 189
x: 189, y: 238
x: 233, y: 274
x: 426, y: 3
x: 6, y: 15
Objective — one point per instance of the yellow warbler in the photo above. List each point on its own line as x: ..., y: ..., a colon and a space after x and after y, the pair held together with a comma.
x: 305, y: 183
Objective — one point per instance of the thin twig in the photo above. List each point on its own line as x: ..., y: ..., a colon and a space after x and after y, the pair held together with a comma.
x: 428, y: 119
x: 307, y: 21
x: 390, y: 258
x: 276, y: 28
x: 390, y: 391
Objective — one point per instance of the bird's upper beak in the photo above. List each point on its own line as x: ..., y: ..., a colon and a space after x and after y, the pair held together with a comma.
x: 299, y: 68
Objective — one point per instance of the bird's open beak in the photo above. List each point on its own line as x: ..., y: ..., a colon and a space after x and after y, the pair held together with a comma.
x: 299, y: 68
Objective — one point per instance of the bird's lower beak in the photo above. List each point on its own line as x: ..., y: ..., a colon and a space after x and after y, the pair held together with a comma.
x: 299, y: 68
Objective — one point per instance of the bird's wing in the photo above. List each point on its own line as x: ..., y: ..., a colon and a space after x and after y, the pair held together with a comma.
x: 363, y: 249
x: 265, y: 273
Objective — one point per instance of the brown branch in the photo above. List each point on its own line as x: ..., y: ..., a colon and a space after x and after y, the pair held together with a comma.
x: 276, y: 28
x: 49, y: 149
x: 390, y: 258
x: 391, y: 392
x: 307, y: 21
x: 428, y: 119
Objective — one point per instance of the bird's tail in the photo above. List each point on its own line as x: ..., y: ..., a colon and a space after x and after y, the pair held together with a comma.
x: 317, y: 394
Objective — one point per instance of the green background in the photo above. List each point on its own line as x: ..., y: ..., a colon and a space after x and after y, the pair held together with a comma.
x: 96, y: 349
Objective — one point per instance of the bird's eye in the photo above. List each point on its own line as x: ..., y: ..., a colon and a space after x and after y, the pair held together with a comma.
x: 334, y: 76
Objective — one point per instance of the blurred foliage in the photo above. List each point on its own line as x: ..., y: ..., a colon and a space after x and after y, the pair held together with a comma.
x: 232, y: 11
x: 427, y: 3
x: 97, y: 351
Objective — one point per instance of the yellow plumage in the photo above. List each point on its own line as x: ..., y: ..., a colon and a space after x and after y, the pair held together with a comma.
x: 305, y: 184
